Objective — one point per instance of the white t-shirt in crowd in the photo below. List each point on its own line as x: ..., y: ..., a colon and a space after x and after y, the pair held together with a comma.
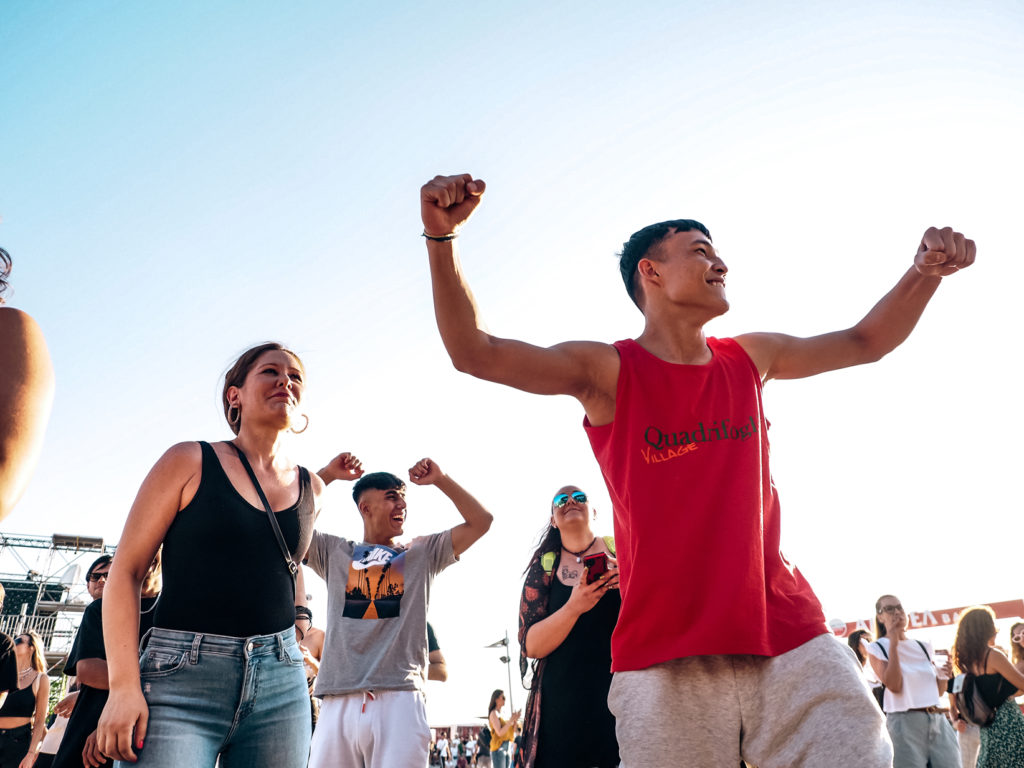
x: 920, y: 688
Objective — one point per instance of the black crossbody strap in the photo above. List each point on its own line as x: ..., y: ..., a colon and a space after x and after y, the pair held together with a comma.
x: 289, y: 562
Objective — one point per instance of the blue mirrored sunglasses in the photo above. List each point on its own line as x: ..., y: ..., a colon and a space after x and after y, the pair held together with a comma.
x: 563, y: 498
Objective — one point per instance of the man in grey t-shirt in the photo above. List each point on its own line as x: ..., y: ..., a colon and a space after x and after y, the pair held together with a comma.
x: 375, y: 649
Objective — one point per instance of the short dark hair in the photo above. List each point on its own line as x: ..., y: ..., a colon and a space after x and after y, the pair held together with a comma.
x: 640, y: 244
x: 101, y: 560
x: 376, y: 481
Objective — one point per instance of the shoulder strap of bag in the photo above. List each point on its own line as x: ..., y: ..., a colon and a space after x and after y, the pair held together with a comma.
x: 924, y: 650
x: 882, y: 648
x: 289, y: 562
x: 547, y: 561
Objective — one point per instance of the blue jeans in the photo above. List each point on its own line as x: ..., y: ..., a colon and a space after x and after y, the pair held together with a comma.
x: 499, y: 757
x: 242, y: 698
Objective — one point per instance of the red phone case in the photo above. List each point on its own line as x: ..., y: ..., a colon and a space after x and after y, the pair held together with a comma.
x: 597, y: 565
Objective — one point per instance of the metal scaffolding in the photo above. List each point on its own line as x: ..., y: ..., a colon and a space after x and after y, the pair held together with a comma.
x: 44, y: 577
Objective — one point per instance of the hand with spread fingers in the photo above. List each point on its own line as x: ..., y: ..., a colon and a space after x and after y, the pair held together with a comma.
x: 943, y: 252
x: 447, y: 202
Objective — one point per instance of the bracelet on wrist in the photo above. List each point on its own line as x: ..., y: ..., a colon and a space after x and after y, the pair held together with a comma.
x: 441, y: 238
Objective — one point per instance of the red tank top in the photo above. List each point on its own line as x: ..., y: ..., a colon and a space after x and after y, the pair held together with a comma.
x: 697, y: 514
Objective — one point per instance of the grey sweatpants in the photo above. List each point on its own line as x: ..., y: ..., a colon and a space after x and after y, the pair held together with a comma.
x: 808, y: 707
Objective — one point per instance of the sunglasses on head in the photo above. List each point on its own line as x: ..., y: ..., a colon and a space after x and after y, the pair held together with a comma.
x: 563, y: 498
x: 20, y: 640
x: 97, y: 576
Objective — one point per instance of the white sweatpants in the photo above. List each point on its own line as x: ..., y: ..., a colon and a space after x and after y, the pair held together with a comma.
x: 387, y: 729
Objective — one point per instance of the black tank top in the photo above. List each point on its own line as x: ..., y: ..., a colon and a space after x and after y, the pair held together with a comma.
x: 20, y: 702
x: 223, y: 572
x: 994, y: 688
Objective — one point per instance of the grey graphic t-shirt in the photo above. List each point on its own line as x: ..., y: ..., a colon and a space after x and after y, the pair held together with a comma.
x: 377, y: 597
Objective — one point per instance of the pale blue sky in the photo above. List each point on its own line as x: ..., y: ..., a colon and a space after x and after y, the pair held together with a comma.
x: 178, y: 181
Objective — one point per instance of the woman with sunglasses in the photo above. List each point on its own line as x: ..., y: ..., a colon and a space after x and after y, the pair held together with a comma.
x: 998, y: 681
x: 23, y: 714
x: 1017, y: 646
x: 921, y: 735
x: 566, y: 618
x: 221, y: 679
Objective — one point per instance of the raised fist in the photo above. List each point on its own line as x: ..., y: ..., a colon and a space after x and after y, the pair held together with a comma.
x: 943, y: 252
x: 447, y: 202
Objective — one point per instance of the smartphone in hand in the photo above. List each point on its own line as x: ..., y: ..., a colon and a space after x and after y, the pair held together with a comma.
x: 597, y: 566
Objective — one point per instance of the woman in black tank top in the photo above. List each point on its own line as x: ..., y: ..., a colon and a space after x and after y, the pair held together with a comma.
x: 565, y: 624
x: 998, y: 681
x: 23, y: 714
x: 221, y: 676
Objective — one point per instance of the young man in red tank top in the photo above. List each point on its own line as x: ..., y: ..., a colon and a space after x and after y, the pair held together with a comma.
x: 743, y: 667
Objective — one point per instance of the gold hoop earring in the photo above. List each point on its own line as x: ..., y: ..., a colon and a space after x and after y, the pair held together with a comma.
x: 304, y: 426
x: 237, y: 420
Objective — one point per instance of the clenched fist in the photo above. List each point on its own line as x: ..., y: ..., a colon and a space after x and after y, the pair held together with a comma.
x: 943, y: 252
x: 447, y: 202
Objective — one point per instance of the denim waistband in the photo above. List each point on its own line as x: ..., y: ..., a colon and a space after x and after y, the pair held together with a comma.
x: 16, y: 730
x: 198, y: 643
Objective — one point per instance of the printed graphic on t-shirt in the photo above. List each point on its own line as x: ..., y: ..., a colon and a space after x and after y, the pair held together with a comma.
x: 665, y: 444
x: 376, y: 582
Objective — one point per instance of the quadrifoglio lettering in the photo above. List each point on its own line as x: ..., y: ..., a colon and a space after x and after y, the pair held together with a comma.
x: 660, y: 439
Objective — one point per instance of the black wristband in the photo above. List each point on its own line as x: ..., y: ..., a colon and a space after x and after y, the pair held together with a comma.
x: 442, y: 238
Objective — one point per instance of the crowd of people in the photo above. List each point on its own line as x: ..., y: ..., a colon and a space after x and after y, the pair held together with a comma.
x: 626, y: 662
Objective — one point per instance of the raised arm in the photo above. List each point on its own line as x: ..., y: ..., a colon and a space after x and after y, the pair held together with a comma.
x: 26, y: 394
x: 169, y: 486
x: 888, y: 672
x: 344, y: 466
x: 942, y: 252
x: 477, y: 519
x: 586, y: 370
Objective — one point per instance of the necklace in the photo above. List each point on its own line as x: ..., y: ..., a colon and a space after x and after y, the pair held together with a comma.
x: 148, y: 610
x: 25, y: 671
x: 578, y: 555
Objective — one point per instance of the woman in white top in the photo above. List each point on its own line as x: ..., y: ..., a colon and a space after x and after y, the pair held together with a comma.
x: 921, y: 735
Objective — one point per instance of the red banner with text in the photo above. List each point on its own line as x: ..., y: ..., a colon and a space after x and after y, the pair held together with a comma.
x: 1007, y: 609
